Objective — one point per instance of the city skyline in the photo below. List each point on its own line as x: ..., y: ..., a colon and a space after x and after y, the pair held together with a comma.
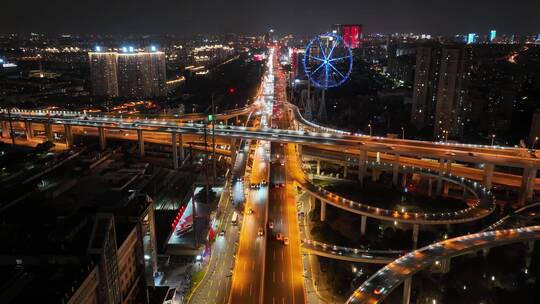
x: 278, y: 152
x: 168, y: 17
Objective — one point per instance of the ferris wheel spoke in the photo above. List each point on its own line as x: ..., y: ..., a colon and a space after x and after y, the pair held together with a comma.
x: 318, y: 68
x: 316, y: 58
x: 320, y: 47
x: 338, y: 58
x: 332, y: 49
x: 336, y: 70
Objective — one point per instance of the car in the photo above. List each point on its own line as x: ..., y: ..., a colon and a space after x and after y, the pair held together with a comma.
x: 271, y: 225
x: 254, y: 186
x: 283, y: 163
x: 250, y: 211
x: 279, y: 237
x: 222, y: 233
x: 264, y: 182
x: 260, y: 232
x: 379, y: 290
x: 286, y: 240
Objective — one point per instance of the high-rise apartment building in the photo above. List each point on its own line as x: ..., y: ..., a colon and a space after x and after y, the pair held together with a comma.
x: 440, y: 89
x: 426, y: 81
x: 141, y: 74
x: 452, y: 107
x: 128, y: 74
x: 103, y: 73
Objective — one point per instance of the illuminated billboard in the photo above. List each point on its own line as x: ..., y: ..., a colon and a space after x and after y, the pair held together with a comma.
x: 352, y: 35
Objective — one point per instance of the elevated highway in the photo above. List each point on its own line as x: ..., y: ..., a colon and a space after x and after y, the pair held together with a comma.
x: 417, y: 153
x: 383, y: 282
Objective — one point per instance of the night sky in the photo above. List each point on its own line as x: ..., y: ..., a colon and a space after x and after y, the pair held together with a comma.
x: 253, y: 16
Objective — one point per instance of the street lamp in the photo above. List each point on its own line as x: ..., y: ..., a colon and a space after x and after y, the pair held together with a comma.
x: 534, y: 143
x: 370, y: 130
x: 492, y: 139
x: 445, y: 132
x: 402, y: 133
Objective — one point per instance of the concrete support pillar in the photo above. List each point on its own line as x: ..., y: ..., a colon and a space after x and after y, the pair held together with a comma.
x: 102, y: 138
x: 532, y: 182
x: 318, y: 167
x: 528, y: 181
x: 5, y: 129
x: 404, y: 180
x: 464, y: 193
x: 363, y: 224
x: 448, y: 166
x: 407, y: 290
x: 174, y: 150
x: 49, y: 132
x: 362, y: 160
x: 181, y: 147
x: 29, y: 130
x: 311, y: 202
x: 375, y: 173
x: 140, y: 138
x: 68, y: 134
x: 345, y: 171
x: 323, y: 211
x: 440, y: 176
x: 395, y: 170
x: 488, y: 174
x: 415, y: 231
x: 485, y: 252
x: 430, y: 187
x: 446, y: 188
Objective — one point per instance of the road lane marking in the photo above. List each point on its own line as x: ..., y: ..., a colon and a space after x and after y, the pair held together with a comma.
x: 282, y: 277
x: 252, y: 265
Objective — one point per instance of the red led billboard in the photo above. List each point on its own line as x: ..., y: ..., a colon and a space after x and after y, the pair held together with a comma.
x: 352, y: 35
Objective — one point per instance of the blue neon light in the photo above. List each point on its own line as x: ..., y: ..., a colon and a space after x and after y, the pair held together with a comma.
x: 325, y: 74
x: 98, y: 48
x: 124, y: 49
x: 471, y: 38
x: 153, y: 48
x: 492, y: 35
x: 131, y: 49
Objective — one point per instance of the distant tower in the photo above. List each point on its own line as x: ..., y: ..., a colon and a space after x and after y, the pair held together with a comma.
x: 492, y: 35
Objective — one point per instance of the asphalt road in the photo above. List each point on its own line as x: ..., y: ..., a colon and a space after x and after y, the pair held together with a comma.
x: 246, y: 287
x: 284, y: 281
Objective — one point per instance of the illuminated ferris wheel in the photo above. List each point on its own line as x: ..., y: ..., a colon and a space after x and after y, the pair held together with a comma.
x: 328, y: 61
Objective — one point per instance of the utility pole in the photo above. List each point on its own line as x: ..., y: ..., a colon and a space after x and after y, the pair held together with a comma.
x: 214, y: 169
x: 206, y: 165
x: 193, y: 194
